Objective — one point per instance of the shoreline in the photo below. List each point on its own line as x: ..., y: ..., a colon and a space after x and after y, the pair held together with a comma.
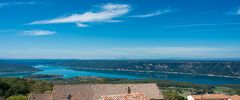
x: 126, y: 70
x: 210, y: 75
x: 22, y: 72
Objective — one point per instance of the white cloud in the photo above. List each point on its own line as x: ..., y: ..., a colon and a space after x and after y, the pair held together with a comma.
x: 236, y: 11
x: 16, y: 3
x: 107, y: 13
x: 156, y: 13
x: 38, y: 33
x: 81, y: 25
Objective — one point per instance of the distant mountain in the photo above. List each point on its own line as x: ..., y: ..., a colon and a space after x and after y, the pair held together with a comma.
x: 202, y: 59
x: 207, y: 67
x: 229, y: 68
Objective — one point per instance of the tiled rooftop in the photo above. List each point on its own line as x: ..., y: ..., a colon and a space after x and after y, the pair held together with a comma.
x: 101, y: 91
x: 131, y: 96
x: 215, y: 97
x: 40, y: 97
x: 234, y: 97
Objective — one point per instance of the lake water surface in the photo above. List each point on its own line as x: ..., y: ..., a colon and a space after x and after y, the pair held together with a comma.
x: 69, y: 73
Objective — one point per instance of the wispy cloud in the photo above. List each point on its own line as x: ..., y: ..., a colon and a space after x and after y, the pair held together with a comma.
x: 155, y: 13
x: 37, y: 33
x: 5, y: 4
x: 198, y: 25
x: 238, y: 11
x: 82, y: 25
x: 107, y: 13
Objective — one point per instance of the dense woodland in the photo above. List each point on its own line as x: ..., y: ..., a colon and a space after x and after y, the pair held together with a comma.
x: 18, y: 89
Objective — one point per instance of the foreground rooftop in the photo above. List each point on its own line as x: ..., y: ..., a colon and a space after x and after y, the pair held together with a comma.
x: 213, y: 97
x: 148, y: 91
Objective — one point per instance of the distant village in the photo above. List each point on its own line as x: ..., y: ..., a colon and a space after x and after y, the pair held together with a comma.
x: 141, y: 91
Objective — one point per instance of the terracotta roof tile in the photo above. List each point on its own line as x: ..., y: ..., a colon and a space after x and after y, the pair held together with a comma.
x: 39, y: 97
x: 101, y: 91
x: 95, y: 91
x: 211, y: 97
x: 131, y: 96
x: 234, y: 97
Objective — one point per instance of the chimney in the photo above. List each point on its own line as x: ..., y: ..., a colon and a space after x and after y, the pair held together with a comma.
x: 69, y: 97
x: 129, y: 90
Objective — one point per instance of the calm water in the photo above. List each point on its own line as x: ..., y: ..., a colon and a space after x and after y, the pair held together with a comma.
x: 68, y: 73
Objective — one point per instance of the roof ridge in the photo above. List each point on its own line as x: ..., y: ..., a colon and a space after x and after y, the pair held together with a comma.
x: 103, y: 84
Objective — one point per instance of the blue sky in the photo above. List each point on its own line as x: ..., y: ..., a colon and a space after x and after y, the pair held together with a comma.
x: 109, y: 29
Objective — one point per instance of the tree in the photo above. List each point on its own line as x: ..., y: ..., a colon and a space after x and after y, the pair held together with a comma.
x: 19, y: 97
x: 172, y: 95
x: 237, y: 91
x: 18, y: 88
x: 3, y: 88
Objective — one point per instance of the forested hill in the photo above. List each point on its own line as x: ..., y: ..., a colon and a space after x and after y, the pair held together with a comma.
x: 229, y: 68
x: 7, y: 66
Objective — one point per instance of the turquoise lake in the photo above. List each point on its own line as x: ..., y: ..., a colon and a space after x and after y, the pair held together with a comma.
x: 69, y: 73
